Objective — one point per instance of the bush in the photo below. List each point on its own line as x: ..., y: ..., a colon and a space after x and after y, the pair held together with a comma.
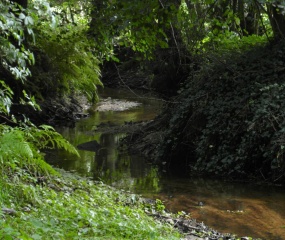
x: 231, y: 118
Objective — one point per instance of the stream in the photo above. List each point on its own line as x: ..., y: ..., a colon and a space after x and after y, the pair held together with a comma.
x: 243, y: 209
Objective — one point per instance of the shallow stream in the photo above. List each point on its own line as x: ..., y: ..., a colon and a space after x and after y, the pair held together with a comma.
x: 243, y: 209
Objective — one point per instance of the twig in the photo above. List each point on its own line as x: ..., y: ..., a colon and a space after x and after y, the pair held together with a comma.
x: 7, y: 119
x: 173, y: 35
x: 258, y: 5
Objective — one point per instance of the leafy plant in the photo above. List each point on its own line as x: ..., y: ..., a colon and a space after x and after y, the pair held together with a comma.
x: 14, y: 22
x: 65, y: 62
x: 231, y: 123
x: 5, y: 98
x: 79, y: 209
x: 20, y: 148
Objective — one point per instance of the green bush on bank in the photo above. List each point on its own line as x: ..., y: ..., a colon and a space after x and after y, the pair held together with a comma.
x: 231, y: 118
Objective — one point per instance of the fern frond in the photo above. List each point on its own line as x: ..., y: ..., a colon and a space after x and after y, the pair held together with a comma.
x: 13, y: 144
x: 46, y: 137
x: 19, y: 148
x: 72, y: 56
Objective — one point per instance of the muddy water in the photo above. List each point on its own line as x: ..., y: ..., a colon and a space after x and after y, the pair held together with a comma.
x: 244, y: 209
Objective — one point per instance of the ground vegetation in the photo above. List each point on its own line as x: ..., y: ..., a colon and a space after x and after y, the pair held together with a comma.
x: 65, y: 206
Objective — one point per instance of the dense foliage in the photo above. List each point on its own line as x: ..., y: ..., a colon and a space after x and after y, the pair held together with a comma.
x: 65, y: 63
x: 20, y: 145
x: 231, y: 123
x: 229, y: 120
x: 228, y: 117
x: 46, y: 53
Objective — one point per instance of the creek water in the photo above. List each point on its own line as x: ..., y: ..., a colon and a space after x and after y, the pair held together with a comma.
x: 243, y: 209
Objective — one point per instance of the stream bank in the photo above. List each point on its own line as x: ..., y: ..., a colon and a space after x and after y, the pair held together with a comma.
x: 229, y: 202
x: 66, y: 206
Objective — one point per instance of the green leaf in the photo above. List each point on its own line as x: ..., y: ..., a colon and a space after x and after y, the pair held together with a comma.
x: 30, y: 20
x: 237, y: 21
x: 36, y: 237
x: 22, y: 16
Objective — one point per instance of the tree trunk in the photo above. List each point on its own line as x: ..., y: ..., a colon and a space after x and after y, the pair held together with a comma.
x: 97, y: 7
x: 277, y: 21
x: 23, y: 3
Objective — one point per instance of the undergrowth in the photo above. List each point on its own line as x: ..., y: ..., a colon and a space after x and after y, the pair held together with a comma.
x: 231, y: 118
x: 69, y: 207
x: 65, y: 63
x: 37, y: 202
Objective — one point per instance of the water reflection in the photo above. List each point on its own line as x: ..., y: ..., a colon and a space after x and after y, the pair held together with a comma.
x: 106, y: 164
